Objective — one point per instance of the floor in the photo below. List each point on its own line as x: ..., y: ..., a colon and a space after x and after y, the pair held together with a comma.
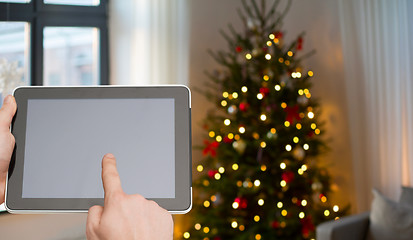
x: 46, y: 227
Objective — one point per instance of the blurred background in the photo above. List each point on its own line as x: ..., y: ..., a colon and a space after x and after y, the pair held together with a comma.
x: 362, y: 72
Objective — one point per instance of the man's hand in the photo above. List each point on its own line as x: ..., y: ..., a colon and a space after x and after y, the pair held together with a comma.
x: 7, y: 141
x: 126, y: 216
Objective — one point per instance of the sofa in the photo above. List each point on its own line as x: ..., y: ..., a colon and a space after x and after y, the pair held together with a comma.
x: 387, y: 220
x: 353, y: 227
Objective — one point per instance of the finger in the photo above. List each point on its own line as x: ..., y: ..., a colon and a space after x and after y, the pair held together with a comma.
x: 7, y: 112
x: 93, y: 219
x: 110, y: 175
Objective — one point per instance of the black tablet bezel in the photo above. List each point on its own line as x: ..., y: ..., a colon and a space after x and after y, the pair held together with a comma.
x: 183, y: 180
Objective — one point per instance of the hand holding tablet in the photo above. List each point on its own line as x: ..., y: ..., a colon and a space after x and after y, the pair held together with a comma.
x: 62, y: 132
x: 7, y: 112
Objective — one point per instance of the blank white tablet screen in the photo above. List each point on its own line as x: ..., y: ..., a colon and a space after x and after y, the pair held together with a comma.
x: 66, y: 139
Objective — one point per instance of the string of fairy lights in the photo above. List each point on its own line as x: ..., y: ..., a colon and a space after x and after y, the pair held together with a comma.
x: 236, y: 136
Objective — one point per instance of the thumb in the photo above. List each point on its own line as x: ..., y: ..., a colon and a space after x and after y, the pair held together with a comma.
x: 110, y: 176
x: 7, y: 112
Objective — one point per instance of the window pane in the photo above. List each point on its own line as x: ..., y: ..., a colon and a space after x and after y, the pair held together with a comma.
x: 15, y: 1
x: 70, y: 56
x: 74, y: 2
x: 14, y: 56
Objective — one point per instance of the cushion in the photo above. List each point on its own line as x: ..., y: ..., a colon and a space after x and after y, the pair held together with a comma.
x: 390, y: 220
x: 407, y: 196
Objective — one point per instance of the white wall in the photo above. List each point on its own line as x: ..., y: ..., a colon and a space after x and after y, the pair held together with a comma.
x: 320, y: 20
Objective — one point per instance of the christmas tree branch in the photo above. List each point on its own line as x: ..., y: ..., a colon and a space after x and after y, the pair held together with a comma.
x: 271, y: 27
x: 219, y: 58
x: 263, y: 8
x: 247, y: 9
x: 232, y: 30
x: 281, y: 17
x: 243, y: 18
x: 287, y: 8
x: 309, y: 54
x: 224, y: 35
x: 277, y: 22
x: 258, y: 12
x: 214, y: 79
x: 273, y: 10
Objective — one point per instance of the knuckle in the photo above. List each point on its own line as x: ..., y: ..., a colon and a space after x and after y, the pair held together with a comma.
x: 153, y: 204
x: 137, y: 197
x: 115, y: 196
x: 110, y: 174
x: 94, y: 208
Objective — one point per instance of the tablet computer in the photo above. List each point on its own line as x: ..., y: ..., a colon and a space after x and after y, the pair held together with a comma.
x: 62, y: 133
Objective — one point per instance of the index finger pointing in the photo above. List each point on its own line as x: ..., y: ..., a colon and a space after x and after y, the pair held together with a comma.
x: 110, y: 175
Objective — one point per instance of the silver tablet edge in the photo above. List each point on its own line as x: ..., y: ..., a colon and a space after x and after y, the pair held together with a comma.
x: 78, y: 211
x: 83, y: 86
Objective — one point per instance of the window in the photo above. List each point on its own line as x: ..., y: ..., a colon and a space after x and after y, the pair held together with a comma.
x: 14, y: 55
x: 74, y: 2
x: 70, y: 56
x: 54, y: 42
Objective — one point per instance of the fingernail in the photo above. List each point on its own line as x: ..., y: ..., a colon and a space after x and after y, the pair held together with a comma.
x: 109, y: 155
x: 7, y: 99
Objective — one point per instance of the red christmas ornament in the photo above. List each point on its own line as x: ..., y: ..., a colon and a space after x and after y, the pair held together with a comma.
x: 299, y: 43
x: 275, y: 224
x: 310, y: 134
x: 242, y: 202
x: 243, y: 106
x: 292, y: 114
x: 217, y: 238
x: 307, y: 226
x: 278, y: 35
x: 264, y: 91
x: 287, y: 176
x: 238, y: 49
x: 211, y: 173
x: 210, y: 148
x: 227, y: 140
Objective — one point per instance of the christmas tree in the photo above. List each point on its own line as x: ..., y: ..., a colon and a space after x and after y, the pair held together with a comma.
x: 259, y: 178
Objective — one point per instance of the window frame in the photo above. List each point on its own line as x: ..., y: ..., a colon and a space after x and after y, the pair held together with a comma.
x: 40, y: 15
